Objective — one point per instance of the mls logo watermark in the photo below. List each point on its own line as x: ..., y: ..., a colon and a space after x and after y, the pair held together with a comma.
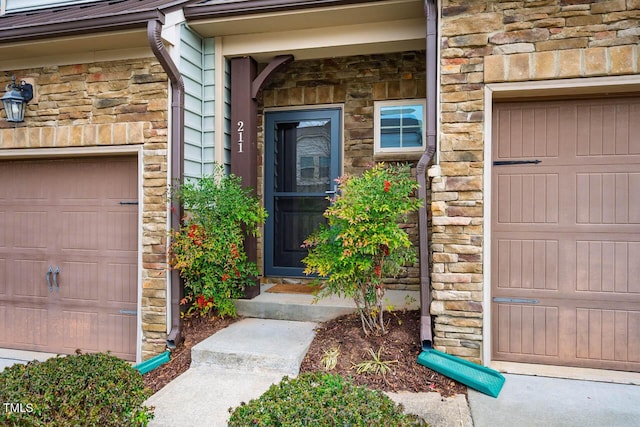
x: 18, y: 408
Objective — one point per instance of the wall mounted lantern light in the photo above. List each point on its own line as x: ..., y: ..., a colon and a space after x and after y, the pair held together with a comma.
x: 16, y: 98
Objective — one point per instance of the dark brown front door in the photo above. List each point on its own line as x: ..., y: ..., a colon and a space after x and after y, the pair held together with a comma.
x: 566, y: 233
x: 68, y: 255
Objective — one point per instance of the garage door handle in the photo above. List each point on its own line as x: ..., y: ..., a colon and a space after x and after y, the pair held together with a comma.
x: 55, y: 278
x: 516, y: 300
x: 516, y: 162
x: 48, y: 276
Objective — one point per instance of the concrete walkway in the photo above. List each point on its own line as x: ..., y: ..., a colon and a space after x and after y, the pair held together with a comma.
x: 551, y: 402
x: 9, y: 357
x: 241, y: 362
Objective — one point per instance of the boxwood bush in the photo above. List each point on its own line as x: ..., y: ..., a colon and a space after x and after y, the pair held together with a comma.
x: 78, y: 390
x: 320, y: 399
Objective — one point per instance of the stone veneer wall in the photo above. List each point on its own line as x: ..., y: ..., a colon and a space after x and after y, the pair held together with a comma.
x: 355, y: 83
x: 110, y: 103
x: 489, y: 42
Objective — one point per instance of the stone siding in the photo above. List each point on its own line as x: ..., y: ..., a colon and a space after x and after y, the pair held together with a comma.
x: 489, y: 42
x: 354, y: 83
x: 107, y: 104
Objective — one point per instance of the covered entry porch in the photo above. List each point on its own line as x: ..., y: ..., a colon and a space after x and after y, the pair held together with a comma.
x: 291, y: 59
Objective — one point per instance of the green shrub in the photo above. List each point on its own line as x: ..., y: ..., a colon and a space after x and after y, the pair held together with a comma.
x: 319, y: 399
x: 208, y: 249
x: 79, y: 390
x: 363, y: 242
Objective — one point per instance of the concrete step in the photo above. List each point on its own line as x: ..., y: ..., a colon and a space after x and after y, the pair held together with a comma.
x: 256, y: 345
x: 301, y: 307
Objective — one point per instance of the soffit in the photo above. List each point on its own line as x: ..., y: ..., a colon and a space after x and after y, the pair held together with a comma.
x: 76, y: 49
x: 304, y: 18
x: 355, y: 28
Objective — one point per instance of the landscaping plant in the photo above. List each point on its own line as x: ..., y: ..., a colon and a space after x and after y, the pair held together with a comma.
x: 363, y: 242
x: 208, y: 249
x: 376, y: 365
x: 78, y: 390
x: 319, y: 399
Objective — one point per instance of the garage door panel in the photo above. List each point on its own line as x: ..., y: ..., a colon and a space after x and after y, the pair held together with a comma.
x: 608, y: 266
x: 527, y: 131
x: 29, y: 227
x: 607, y: 198
x: 80, y: 230
x: 79, y: 281
x: 80, y: 330
x: 121, y: 283
x: 607, y: 128
x: 3, y: 278
x: 527, y: 263
x: 607, y: 334
x: 122, y: 337
x: 527, y: 198
x: 3, y: 230
x: 28, y: 278
x: 30, y: 326
x: 527, y: 330
x: 4, y: 320
x: 119, y: 225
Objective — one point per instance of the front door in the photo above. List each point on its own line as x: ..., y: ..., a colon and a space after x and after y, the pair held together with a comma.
x: 302, y: 161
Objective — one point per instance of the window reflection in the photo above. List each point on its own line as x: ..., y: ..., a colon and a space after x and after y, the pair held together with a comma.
x: 401, y: 126
x: 303, y: 156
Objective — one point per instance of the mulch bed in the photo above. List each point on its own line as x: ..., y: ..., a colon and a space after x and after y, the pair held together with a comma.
x: 400, y: 344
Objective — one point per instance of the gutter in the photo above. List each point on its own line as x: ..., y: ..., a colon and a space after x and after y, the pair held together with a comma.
x: 154, y: 28
x: 235, y: 8
x: 431, y: 14
x: 37, y: 31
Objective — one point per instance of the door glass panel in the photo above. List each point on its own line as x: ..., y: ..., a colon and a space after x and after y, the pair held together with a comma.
x: 303, y: 152
x: 301, y: 165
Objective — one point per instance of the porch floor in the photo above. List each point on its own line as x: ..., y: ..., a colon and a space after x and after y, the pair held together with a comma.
x: 300, y: 307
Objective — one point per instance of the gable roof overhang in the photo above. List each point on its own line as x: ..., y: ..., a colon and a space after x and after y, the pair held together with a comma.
x: 310, y: 29
x: 82, y: 29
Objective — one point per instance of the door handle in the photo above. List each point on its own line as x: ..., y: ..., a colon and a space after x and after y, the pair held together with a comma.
x: 55, y: 278
x: 48, y: 276
x: 332, y: 192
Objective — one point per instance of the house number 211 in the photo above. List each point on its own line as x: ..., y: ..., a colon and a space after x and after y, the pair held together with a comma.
x: 240, y: 135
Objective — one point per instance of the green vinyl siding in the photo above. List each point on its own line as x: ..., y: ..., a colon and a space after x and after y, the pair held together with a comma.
x: 208, y: 121
x: 197, y: 67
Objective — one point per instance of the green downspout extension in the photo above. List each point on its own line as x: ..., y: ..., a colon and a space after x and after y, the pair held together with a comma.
x: 153, y: 363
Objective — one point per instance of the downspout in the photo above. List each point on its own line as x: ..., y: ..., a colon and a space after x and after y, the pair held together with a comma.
x: 154, y: 29
x: 431, y: 12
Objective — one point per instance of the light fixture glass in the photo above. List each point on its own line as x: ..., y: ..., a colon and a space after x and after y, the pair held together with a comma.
x: 16, y: 99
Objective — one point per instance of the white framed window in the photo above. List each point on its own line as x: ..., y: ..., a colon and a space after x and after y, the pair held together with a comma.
x: 399, y: 126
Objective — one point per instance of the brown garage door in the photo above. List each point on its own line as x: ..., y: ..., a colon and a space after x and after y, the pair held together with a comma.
x: 566, y: 233
x: 68, y: 255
